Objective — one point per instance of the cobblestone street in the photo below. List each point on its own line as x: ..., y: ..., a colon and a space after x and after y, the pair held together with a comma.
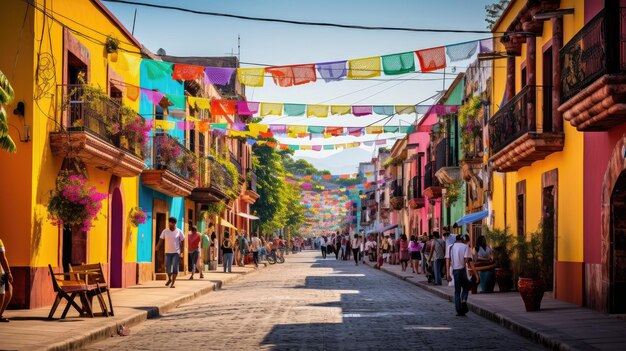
x: 310, y: 303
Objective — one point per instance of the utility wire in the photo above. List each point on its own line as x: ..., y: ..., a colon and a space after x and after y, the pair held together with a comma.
x: 302, y: 23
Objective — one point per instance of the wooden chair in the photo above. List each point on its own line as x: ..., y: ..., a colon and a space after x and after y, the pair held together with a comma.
x: 67, y: 289
x: 96, y: 276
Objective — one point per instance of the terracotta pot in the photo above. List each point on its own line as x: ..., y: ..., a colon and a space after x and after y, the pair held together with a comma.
x: 504, y: 278
x: 531, y: 291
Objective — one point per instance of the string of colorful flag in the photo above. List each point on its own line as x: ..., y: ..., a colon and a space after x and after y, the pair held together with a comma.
x: 430, y: 59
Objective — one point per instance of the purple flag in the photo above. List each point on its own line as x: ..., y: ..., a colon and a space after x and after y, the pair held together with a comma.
x: 238, y: 126
x: 219, y: 131
x: 278, y: 128
x: 154, y: 96
x: 381, y: 142
x: 368, y: 143
x: 332, y: 71
x: 486, y: 45
x: 218, y: 75
x: 316, y: 147
x: 361, y: 110
x: 247, y: 108
x: 355, y: 131
x: 444, y: 109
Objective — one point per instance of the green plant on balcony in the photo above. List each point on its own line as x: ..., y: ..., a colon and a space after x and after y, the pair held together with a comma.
x: 134, y: 131
x: 223, y: 158
x: 188, y: 165
x: 453, y: 192
x: 216, y: 208
x: 469, y: 122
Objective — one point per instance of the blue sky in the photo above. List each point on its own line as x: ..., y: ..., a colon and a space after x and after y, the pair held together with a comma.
x: 184, y: 34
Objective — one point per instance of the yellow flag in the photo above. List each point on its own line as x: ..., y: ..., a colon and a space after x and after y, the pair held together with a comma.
x: 256, y: 128
x: 198, y: 102
x: 128, y: 65
x: 405, y: 109
x: 273, y: 109
x: 296, y: 129
x: 374, y: 130
x: 164, y: 125
x: 252, y: 77
x: 305, y: 147
x: 320, y: 111
x: 340, y: 110
x: 364, y: 68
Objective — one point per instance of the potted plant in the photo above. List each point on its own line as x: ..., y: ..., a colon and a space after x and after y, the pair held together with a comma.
x: 134, y: 132
x: 137, y: 216
x: 112, y: 45
x: 502, y: 247
x: 73, y: 202
x: 530, y: 268
x: 187, y: 164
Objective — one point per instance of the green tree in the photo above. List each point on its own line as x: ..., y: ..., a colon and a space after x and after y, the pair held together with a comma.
x: 270, y: 206
x: 494, y: 11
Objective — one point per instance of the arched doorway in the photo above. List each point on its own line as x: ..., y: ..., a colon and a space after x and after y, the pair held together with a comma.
x: 117, y: 238
x: 617, y: 249
x: 613, y: 249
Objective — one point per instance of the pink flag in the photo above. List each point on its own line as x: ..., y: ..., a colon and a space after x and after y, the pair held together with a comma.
x: 361, y: 110
x: 381, y: 142
x: 247, y: 108
x: 154, y: 96
x: 316, y: 147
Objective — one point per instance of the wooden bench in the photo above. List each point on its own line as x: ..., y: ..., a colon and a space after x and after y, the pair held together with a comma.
x: 68, y: 287
x: 96, y: 276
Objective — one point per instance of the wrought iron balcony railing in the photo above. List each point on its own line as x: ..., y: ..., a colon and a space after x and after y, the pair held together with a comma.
x: 517, y: 117
x: 415, y: 188
x: 429, y: 176
x: 101, y: 116
x: 169, y: 154
x: 597, y: 49
x: 234, y: 160
x: 397, y: 188
x: 221, y: 180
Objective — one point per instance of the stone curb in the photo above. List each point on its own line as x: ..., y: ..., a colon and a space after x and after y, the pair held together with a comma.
x: 111, y: 328
x: 521, y: 329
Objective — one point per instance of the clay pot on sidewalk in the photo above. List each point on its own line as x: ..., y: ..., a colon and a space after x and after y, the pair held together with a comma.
x: 504, y: 278
x: 531, y: 291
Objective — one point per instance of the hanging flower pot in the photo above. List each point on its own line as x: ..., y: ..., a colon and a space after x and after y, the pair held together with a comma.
x: 74, y: 202
x: 137, y: 216
x: 111, y: 46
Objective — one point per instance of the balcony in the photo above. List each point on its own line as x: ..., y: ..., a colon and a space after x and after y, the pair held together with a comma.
x: 432, y: 188
x: 250, y: 195
x: 235, y: 161
x: 447, y: 168
x: 593, y: 74
x: 174, y: 168
x: 517, y: 136
x: 216, y: 186
x: 91, y: 131
x: 397, y: 194
x: 414, y: 194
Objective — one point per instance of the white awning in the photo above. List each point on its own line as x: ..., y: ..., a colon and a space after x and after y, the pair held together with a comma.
x: 247, y: 215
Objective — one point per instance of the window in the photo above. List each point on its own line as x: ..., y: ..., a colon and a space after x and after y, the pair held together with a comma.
x: 547, y: 91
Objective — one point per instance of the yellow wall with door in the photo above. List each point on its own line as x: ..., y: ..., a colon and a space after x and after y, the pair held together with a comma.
x: 32, y: 239
x: 569, y: 162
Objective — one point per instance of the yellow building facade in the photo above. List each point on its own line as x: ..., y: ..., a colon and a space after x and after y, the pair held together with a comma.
x: 45, y: 47
x: 537, y: 160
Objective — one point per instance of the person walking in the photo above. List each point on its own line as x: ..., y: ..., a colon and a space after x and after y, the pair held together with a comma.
x: 323, y: 246
x: 227, y: 253
x: 255, y: 246
x: 242, y: 248
x: 415, y: 248
x: 6, y: 283
x: 403, y: 252
x: 205, y: 253
x: 438, y: 257
x: 458, y: 258
x: 173, y: 239
x: 193, y: 251
x: 355, y: 244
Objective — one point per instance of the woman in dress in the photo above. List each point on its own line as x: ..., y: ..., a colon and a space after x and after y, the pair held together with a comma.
x: 404, y: 252
x: 415, y: 248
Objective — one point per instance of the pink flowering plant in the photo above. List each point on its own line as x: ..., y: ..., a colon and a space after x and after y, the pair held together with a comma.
x: 137, y: 216
x: 135, y: 131
x: 187, y: 164
x: 74, y: 202
x: 168, y: 150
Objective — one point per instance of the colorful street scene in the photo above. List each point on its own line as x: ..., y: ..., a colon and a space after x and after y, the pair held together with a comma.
x: 296, y: 175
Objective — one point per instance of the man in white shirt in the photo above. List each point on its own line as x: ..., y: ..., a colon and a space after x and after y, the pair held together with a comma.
x: 458, y: 256
x: 174, y: 239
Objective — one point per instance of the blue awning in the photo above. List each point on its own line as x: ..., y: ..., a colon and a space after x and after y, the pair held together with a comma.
x: 383, y: 229
x: 472, y: 217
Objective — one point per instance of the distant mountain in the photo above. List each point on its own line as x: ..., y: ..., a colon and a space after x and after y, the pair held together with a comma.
x: 342, y: 162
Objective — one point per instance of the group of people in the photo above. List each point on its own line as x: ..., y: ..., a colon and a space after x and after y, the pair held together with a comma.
x: 342, y: 245
x: 438, y: 256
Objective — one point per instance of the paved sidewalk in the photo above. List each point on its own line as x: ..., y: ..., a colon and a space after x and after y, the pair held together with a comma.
x: 559, y: 325
x: 31, y: 330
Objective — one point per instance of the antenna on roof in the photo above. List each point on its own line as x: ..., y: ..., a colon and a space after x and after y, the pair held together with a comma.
x: 134, y: 19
